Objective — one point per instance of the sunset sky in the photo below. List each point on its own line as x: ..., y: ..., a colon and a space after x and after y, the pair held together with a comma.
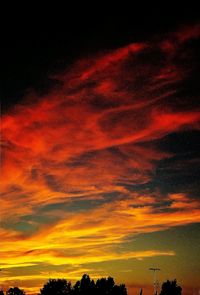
x: 100, y: 157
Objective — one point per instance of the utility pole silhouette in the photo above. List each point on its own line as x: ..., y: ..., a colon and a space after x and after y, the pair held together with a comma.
x: 155, y: 282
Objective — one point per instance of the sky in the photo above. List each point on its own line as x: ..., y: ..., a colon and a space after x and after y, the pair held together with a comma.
x: 100, y: 156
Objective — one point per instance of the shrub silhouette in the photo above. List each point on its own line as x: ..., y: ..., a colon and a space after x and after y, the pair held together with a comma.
x: 170, y: 288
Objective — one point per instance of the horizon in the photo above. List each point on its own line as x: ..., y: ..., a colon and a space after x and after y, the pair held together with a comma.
x: 146, y: 289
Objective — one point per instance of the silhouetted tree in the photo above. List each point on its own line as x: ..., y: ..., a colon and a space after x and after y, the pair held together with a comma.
x: 56, y: 287
x: 119, y: 290
x: 15, y: 291
x: 104, y: 286
x: 107, y: 286
x: 76, y: 288
x: 85, y: 286
x: 170, y: 288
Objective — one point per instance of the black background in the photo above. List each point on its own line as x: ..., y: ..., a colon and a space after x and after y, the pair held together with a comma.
x: 37, y: 41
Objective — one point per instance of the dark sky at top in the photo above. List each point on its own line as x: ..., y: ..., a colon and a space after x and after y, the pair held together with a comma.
x: 37, y: 43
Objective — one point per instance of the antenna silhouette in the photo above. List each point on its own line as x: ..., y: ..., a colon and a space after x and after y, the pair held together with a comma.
x: 155, y: 282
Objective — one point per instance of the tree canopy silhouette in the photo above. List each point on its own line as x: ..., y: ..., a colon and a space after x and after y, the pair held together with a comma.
x: 170, y: 288
x: 86, y: 286
x: 105, y: 286
x: 15, y: 291
x: 56, y: 287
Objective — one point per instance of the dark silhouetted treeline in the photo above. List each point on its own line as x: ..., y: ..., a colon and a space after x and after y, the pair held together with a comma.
x: 86, y: 286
